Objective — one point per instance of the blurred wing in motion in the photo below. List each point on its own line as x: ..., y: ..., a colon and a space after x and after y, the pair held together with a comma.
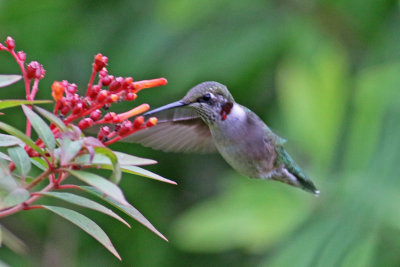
x: 177, y: 130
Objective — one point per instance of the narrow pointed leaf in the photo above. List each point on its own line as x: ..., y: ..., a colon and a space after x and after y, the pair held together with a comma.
x: 126, y: 159
x: 15, y: 197
x: 9, y: 140
x: 8, y: 79
x: 40, y: 163
x: 101, y: 159
x: 127, y: 209
x: 12, y: 242
x: 17, y: 133
x: 4, y: 156
x: 41, y: 128
x: 85, y: 202
x: 21, y: 160
x: 16, y: 102
x: 51, y: 117
x: 105, y: 186
x: 104, y: 163
x: 86, y: 225
x: 145, y: 173
x: 7, y: 182
x: 117, y: 174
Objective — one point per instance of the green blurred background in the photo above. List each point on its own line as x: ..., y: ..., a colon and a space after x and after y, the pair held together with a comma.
x: 324, y: 74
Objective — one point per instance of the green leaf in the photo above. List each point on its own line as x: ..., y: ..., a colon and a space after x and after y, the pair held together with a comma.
x: 8, y: 79
x: 16, y: 102
x: 40, y: 163
x: 143, y: 172
x: 51, y: 117
x: 127, y: 209
x: 17, y: 133
x: 4, y: 156
x: 123, y: 160
x: 21, y: 160
x: 41, y: 128
x: 7, y: 182
x: 69, y: 149
x: 9, y: 140
x: 86, y: 225
x: 15, y: 197
x: 12, y: 242
x: 126, y: 159
x: 10, y: 193
x: 102, y: 184
x: 104, y: 163
x: 84, y: 202
x: 116, y: 175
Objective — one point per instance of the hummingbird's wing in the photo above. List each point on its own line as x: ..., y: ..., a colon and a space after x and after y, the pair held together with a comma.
x: 177, y: 130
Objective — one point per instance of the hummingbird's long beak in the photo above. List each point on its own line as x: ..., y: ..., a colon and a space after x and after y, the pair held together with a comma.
x: 176, y: 104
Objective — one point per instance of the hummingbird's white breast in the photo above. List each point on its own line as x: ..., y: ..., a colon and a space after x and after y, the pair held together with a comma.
x: 241, y: 142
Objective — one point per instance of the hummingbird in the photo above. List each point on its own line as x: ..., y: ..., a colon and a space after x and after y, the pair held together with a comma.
x: 208, y: 119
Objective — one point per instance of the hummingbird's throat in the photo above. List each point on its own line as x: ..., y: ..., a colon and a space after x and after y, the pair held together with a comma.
x: 225, y: 110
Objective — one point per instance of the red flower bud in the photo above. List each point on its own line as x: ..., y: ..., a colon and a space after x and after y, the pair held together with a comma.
x: 116, y: 84
x: 85, y: 123
x: 130, y: 96
x: 104, y: 131
x: 94, y: 91
x: 138, y: 122
x: 126, y: 127
x: 100, y: 62
x: 102, y: 96
x: 110, y: 116
x: 77, y: 109
x: 106, y: 80
x: 73, y: 99
x: 86, y: 103
x: 112, y: 98
x: 116, y: 119
x: 72, y: 88
x: 95, y: 115
x: 10, y: 43
x: 151, y: 122
x: 34, y: 70
x: 21, y: 55
x: 64, y: 110
x: 103, y: 72
x: 127, y: 82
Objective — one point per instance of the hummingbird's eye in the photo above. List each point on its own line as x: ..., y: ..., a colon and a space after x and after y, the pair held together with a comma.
x: 206, y: 97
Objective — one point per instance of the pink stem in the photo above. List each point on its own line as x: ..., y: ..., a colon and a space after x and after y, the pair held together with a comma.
x: 35, y: 88
x: 33, y: 198
x: 91, y: 81
x: 27, y: 81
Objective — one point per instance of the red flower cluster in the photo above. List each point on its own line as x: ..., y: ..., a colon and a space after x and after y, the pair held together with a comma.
x: 108, y: 90
x: 87, y: 110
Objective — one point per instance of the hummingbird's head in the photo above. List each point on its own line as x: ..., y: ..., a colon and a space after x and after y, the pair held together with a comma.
x: 211, y: 100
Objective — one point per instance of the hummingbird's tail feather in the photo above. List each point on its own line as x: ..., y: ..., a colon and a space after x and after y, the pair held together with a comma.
x: 293, y: 174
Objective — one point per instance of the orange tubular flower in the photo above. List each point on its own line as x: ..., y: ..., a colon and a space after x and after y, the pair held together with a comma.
x: 133, y: 112
x: 149, y: 83
x: 57, y: 91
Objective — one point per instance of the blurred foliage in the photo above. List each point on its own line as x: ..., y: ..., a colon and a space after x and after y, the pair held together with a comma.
x: 324, y: 74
